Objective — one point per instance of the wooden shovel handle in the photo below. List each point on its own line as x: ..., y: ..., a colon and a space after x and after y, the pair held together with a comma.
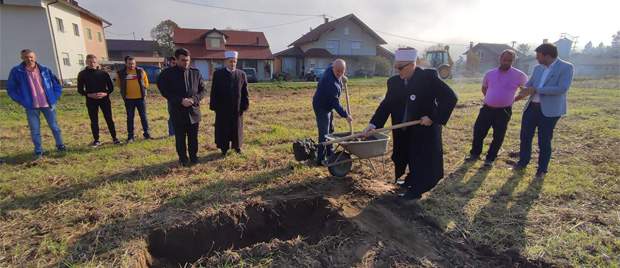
x: 359, y: 135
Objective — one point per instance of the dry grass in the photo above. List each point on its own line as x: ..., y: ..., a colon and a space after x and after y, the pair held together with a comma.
x: 91, y: 207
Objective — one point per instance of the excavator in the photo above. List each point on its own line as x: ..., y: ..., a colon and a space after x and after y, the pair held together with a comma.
x: 438, y: 57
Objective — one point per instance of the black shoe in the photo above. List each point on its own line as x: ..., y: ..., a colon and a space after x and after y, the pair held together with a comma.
x: 472, y: 158
x: 540, y: 174
x: 183, y: 163
x: 38, y: 156
x: 116, y: 141
x: 130, y: 140
x: 147, y: 136
x: 488, y: 163
x: 224, y: 152
x: 95, y: 144
x: 518, y: 167
x: 410, y: 195
x: 238, y: 151
x: 193, y: 161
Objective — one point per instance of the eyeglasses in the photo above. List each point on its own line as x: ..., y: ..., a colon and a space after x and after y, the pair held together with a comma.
x: 400, y: 68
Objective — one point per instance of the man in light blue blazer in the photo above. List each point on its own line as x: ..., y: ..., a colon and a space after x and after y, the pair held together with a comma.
x: 547, y: 90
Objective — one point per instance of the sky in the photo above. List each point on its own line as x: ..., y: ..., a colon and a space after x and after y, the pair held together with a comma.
x: 399, y: 22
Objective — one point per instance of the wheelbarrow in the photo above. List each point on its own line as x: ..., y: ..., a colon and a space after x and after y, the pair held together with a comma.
x: 357, y: 147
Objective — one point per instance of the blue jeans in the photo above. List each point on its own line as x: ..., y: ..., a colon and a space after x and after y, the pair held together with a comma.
x: 34, y: 123
x: 533, y: 118
x: 325, y: 125
x: 130, y: 107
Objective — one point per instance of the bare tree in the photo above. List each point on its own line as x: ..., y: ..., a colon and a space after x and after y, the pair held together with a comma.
x: 524, y: 49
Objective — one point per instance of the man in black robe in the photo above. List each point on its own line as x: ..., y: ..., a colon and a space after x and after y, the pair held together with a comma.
x: 183, y: 87
x: 416, y: 94
x: 229, y: 100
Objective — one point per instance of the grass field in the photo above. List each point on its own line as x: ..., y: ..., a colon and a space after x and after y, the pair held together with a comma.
x: 93, y: 207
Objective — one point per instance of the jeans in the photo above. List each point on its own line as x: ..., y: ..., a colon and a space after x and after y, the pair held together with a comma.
x: 533, y: 119
x: 498, y: 119
x: 130, y: 107
x: 34, y: 123
x: 105, y: 105
x: 325, y: 125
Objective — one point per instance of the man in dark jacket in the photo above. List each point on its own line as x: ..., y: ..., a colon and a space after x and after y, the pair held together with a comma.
x: 96, y: 85
x: 183, y: 87
x: 37, y: 89
x: 229, y: 100
x: 416, y: 94
x: 170, y: 62
x: 327, y: 98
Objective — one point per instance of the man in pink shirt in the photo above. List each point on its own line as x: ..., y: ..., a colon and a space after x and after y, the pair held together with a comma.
x: 498, y: 87
x: 37, y: 89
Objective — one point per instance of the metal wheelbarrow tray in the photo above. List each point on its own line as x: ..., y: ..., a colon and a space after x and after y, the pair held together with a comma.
x: 340, y: 163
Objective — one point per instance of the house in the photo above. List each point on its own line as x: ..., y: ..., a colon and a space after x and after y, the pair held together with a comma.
x: 207, y: 47
x: 144, y: 51
x: 587, y: 65
x: 347, y: 37
x: 485, y: 56
x: 61, y: 33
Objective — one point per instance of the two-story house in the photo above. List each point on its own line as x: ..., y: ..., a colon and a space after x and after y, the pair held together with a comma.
x: 347, y: 37
x: 61, y: 32
x: 207, y: 47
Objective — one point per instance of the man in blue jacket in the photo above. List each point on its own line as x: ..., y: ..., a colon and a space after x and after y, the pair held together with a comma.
x: 37, y: 89
x: 548, y: 87
x: 326, y: 99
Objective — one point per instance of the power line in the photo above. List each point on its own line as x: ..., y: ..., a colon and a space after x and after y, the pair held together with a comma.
x: 282, y: 24
x: 249, y: 10
x: 419, y: 40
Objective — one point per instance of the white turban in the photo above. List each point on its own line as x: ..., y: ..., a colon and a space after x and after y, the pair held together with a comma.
x: 231, y: 54
x: 406, y: 54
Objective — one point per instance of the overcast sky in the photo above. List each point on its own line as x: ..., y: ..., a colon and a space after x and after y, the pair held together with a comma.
x: 456, y: 22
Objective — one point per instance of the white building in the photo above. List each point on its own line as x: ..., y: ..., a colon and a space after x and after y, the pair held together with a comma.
x: 58, y: 31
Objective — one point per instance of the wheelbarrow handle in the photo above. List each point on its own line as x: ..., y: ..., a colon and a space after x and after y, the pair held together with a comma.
x: 359, y: 135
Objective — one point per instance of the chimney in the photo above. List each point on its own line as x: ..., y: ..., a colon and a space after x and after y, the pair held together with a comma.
x: 326, y: 19
x: 545, y: 41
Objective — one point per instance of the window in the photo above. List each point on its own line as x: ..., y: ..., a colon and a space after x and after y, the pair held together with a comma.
x: 89, y: 34
x: 76, y: 30
x: 59, y: 25
x: 80, y: 59
x: 332, y: 46
x: 214, y: 42
x: 65, y: 59
x: 99, y: 37
x: 356, y: 45
x: 346, y: 30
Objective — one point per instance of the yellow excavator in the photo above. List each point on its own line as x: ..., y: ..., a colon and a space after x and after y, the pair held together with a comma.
x: 438, y: 57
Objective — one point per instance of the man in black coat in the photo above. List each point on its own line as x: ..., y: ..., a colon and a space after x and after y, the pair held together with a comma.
x: 183, y: 87
x: 96, y: 85
x: 416, y: 94
x: 229, y: 100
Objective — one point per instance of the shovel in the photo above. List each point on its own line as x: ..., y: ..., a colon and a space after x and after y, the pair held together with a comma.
x: 346, y: 93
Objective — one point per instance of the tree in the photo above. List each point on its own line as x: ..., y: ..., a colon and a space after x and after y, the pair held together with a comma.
x: 163, y: 36
x: 524, y: 49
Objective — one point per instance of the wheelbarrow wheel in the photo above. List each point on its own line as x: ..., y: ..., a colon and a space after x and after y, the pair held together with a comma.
x: 342, y: 169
